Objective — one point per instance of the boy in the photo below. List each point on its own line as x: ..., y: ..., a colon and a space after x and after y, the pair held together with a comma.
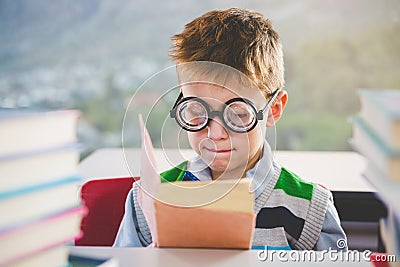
x: 226, y: 117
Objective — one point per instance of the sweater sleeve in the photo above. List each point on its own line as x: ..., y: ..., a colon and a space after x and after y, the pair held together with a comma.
x: 332, y: 235
x: 133, y: 230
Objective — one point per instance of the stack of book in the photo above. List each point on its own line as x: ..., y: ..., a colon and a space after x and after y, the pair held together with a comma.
x: 39, y: 203
x: 376, y: 135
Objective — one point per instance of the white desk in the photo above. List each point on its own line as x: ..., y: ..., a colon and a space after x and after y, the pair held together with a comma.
x: 341, y: 172
x: 204, y: 257
x: 338, y: 171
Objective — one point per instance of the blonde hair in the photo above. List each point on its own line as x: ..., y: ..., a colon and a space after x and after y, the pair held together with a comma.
x: 239, y: 38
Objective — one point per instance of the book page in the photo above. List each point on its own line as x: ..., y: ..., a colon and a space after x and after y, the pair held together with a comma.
x: 149, y: 180
x: 227, y: 195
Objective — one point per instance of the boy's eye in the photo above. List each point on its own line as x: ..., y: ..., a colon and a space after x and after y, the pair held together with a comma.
x: 239, y: 114
x: 194, y: 113
x: 195, y: 109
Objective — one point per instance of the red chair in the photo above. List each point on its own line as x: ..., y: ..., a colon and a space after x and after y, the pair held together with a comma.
x: 105, y: 200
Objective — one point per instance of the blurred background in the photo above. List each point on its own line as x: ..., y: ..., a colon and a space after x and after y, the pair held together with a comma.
x: 93, y: 55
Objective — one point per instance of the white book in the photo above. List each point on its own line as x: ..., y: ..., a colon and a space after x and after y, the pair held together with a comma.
x: 367, y: 143
x: 25, y: 241
x: 24, y: 131
x: 29, y: 204
x: 52, y: 257
x: 380, y: 109
x: 390, y: 233
x: 388, y: 189
x: 29, y: 169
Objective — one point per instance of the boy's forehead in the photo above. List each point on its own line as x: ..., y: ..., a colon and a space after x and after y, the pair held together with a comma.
x: 219, y: 81
x: 223, y: 93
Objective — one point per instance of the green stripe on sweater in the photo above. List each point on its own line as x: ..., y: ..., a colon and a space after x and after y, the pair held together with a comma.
x: 294, y: 186
x: 175, y: 174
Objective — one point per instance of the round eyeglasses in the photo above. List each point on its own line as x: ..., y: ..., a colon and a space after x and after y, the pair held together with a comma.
x: 238, y: 114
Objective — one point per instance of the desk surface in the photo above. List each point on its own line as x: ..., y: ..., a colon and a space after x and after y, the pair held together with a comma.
x: 211, y: 257
x: 341, y: 172
x: 338, y: 171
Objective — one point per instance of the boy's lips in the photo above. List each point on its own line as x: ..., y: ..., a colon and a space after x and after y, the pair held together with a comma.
x: 213, y: 150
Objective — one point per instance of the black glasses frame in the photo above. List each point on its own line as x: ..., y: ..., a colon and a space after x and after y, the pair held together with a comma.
x: 211, y: 114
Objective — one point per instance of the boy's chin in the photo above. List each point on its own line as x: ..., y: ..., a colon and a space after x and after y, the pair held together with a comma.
x: 218, y: 166
x: 227, y: 169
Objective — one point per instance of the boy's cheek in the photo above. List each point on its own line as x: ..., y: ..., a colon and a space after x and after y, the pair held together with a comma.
x: 195, y: 139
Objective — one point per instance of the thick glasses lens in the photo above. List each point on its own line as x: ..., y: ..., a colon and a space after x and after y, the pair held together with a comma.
x: 239, y: 116
x: 192, y: 115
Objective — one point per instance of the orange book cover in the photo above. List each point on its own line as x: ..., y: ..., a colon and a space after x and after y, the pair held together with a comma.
x: 202, y: 227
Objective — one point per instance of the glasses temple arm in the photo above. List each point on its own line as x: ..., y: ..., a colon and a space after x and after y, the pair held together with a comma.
x: 177, y: 100
x: 274, y: 95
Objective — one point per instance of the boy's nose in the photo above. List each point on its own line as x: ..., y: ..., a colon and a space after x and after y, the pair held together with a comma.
x: 216, y: 129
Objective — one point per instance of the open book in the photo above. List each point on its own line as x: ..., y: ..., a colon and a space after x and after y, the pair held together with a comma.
x: 217, y: 214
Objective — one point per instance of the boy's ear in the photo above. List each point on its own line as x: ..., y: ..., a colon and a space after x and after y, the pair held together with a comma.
x: 276, y: 109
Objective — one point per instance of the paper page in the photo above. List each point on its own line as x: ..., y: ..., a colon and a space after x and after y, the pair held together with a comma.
x: 149, y: 180
x: 226, y: 195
